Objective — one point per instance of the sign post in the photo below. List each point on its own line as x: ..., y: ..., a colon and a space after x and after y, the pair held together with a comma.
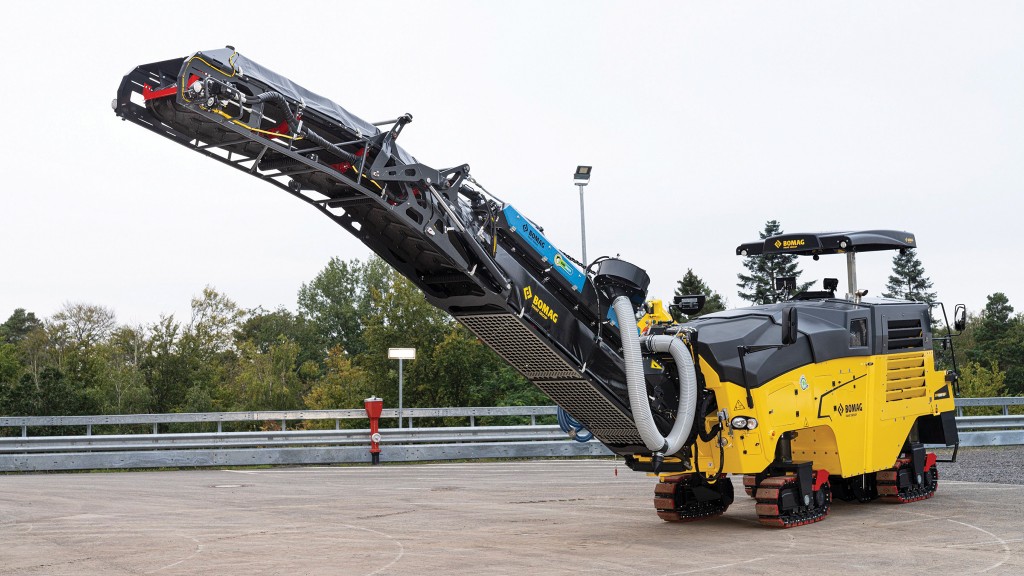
x: 401, y: 354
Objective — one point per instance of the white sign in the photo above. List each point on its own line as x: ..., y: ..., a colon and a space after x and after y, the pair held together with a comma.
x: 402, y: 353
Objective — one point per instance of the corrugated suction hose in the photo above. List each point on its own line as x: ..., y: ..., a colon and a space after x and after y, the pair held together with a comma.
x: 637, y: 385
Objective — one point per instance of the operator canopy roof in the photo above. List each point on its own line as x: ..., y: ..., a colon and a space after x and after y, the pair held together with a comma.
x: 814, y: 243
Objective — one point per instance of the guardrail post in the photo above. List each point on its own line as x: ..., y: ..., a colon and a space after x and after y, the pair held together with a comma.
x: 1006, y: 409
x: 220, y: 427
x: 533, y: 420
x: 24, y: 431
x: 156, y: 428
x: 282, y: 425
x: 88, y: 429
x: 472, y: 420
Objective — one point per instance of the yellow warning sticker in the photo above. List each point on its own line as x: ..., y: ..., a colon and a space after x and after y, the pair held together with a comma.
x: 739, y: 405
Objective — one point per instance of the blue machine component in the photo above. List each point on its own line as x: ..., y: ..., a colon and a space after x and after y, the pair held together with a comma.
x: 614, y: 320
x: 571, y: 426
x: 611, y: 317
x: 536, y: 240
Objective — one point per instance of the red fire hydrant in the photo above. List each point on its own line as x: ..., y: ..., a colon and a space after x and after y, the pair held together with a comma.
x: 374, y: 406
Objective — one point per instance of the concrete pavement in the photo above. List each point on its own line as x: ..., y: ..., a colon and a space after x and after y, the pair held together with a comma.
x: 537, y: 517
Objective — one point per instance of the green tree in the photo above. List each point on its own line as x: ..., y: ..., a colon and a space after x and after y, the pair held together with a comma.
x: 978, y: 381
x: 758, y: 286
x: 996, y: 322
x: 35, y: 351
x: 265, y: 329
x: 77, y: 334
x: 907, y: 280
x: 84, y: 325
x: 343, y: 385
x: 335, y: 302
x: 692, y: 284
x: 215, y: 318
x: 999, y: 341
x: 121, y: 386
x: 18, y: 326
x: 164, y: 367
x: 400, y: 316
x: 266, y: 381
x: 11, y: 372
x: 204, y: 357
x: 53, y: 395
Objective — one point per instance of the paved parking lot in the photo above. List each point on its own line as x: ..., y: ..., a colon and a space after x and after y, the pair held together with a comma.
x: 538, y: 517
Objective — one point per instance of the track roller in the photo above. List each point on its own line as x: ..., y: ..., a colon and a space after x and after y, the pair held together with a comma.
x: 690, y: 497
x: 899, y: 485
x: 779, y: 503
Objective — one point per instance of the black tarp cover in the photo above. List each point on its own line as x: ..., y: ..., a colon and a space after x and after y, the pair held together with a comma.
x: 228, y: 59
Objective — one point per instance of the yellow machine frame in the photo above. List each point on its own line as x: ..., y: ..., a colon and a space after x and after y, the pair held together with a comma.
x: 852, y: 415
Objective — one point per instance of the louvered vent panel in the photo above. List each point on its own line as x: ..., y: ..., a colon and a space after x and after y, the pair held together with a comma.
x: 904, y: 377
x: 526, y: 352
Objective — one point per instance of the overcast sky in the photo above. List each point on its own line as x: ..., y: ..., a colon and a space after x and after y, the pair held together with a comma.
x: 702, y: 121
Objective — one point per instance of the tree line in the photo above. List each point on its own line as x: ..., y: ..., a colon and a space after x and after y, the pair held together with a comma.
x: 332, y: 352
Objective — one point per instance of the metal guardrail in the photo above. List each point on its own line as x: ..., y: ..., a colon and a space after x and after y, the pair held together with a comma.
x: 409, y: 415
x: 1003, y: 402
x: 1002, y: 430
x: 283, y: 446
x: 298, y: 446
x: 112, y: 442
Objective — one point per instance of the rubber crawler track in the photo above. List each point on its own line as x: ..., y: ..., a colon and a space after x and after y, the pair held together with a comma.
x: 769, y: 498
x: 670, y: 500
x: 890, y: 491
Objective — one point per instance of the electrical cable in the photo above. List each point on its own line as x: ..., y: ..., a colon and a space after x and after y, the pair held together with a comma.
x: 721, y: 458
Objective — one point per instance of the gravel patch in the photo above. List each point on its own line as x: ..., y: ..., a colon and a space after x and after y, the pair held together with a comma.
x: 995, y: 464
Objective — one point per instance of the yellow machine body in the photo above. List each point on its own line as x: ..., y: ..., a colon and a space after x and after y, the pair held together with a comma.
x: 852, y: 415
x: 654, y: 313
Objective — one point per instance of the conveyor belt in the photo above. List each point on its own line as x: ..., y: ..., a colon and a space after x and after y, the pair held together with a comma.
x: 471, y: 254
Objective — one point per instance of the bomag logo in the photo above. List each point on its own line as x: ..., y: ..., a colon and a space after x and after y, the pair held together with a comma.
x: 537, y: 238
x: 789, y: 244
x: 851, y: 409
x: 538, y: 305
x: 562, y: 263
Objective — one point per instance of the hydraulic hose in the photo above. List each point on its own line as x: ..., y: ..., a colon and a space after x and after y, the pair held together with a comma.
x: 293, y: 123
x: 570, y: 425
x: 637, y: 385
